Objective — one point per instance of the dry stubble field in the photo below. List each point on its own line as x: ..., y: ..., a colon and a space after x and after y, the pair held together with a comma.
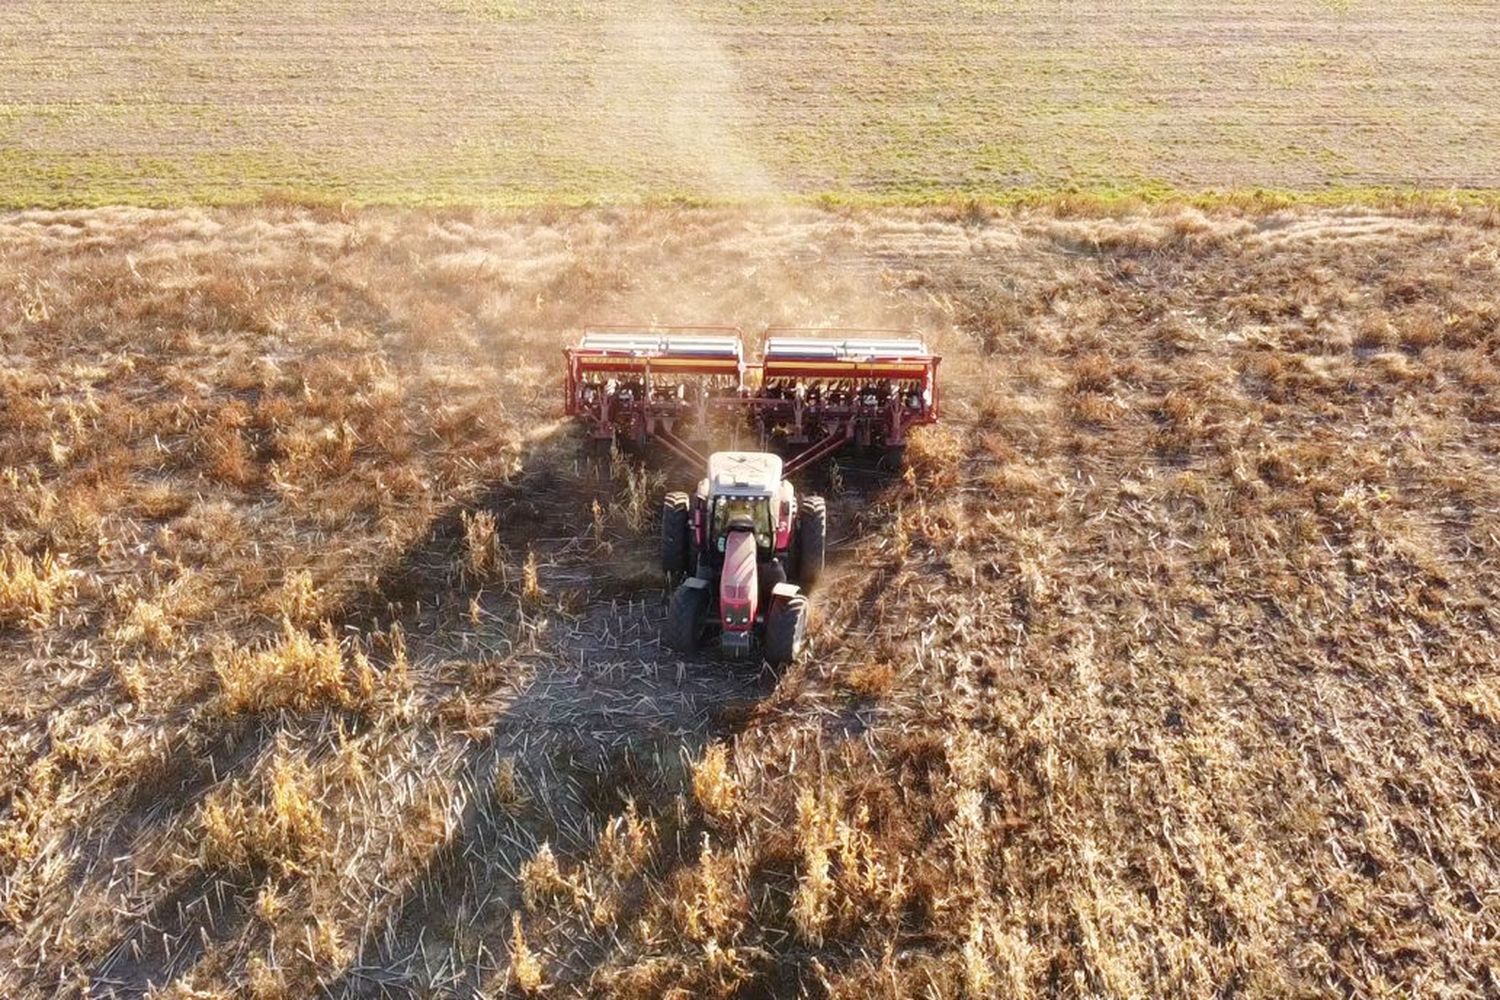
x: 1169, y: 669
x: 535, y: 101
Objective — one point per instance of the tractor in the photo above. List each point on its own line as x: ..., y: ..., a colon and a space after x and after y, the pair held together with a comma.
x: 745, y: 549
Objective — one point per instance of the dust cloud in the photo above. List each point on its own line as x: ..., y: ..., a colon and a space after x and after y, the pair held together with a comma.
x: 669, y: 92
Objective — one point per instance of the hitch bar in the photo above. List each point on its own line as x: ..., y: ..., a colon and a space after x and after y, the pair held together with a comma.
x: 823, y: 448
x: 681, y: 448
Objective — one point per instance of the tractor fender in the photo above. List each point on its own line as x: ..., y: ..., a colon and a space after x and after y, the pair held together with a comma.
x: 695, y: 583
x: 786, y: 502
x: 785, y: 591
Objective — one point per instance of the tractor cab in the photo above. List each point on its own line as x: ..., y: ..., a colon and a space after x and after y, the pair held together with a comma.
x: 744, y: 491
x: 750, y: 514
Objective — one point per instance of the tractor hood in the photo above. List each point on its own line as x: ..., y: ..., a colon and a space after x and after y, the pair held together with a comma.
x: 738, y: 586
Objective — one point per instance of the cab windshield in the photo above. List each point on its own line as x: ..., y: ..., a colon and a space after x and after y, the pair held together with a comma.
x: 758, y: 510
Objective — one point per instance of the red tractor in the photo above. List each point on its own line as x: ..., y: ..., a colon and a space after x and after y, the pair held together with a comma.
x: 745, y: 548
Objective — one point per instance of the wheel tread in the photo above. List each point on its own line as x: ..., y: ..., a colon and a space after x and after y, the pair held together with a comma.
x: 684, y: 625
x: 812, y: 540
x: 786, y: 631
x: 676, y: 545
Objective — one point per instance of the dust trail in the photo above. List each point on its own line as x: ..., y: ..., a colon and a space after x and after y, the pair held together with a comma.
x: 669, y: 92
x: 669, y: 95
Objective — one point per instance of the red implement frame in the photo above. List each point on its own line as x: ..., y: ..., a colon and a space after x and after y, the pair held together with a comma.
x: 866, y: 387
x: 873, y: 390
x: 641, y: 390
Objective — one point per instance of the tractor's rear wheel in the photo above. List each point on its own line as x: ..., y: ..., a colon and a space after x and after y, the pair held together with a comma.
x: 675, y: 542
x: 686, y: 611
x: 812, y: 540
x: 786, y: 631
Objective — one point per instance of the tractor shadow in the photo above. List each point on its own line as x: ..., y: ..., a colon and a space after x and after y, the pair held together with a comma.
x: 609, y: 721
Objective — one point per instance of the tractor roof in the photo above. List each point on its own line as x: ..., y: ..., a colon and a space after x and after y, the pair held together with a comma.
x: 744, y: 473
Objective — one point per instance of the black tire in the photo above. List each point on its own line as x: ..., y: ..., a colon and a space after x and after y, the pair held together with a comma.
x: 812, y: 540
x: 675, y: 541
x: 786, y: 631
x: 686, y: 611
x: 894, y: 458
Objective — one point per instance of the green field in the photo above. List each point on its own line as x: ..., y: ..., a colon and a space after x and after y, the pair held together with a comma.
x: 515, y: 102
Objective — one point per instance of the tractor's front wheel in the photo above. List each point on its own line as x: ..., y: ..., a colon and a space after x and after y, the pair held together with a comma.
x: 675, y: 541
x: 686, y: 612
x: 812, y: 540
x: 786, y: 631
